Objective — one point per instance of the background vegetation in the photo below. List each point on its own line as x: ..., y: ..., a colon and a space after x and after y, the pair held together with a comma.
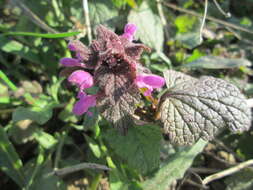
x: 39, y: 134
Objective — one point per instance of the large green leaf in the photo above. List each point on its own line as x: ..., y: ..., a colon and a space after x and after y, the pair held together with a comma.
x: 174, y: 168
x: 140, y: 147
x: 10, y: 162
x: 192, y: 109
x: 38, y: 114
x: 150, y: 28
x: 214, y: 62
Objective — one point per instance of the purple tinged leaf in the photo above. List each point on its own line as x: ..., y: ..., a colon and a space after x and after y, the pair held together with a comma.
x: 82, y: 52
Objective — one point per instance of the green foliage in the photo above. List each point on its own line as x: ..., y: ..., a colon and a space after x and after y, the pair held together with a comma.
x: 10, y: 162
x: 41, y: 134
x: 38, y: 114
x: 15, y: 47
x: 150, y: 29
x: 140, y: 147
x: 60, y: 35
x: 174, y: 168
x: 188, y: 30
x: 213, y: 62
x: 102, y: 12
x: 240, y: 181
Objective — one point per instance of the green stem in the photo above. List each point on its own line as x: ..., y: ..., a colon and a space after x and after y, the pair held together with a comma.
x: 39, y: 161
x: 7, y: 81
x: 95, y: 182
x: 59, y: 150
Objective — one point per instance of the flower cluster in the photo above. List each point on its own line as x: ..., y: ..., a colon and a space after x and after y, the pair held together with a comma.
x: 111, y: 63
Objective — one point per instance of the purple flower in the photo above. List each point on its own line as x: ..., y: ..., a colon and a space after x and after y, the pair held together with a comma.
x: 111, y: 63
x: 129, y: 31
x: 147, y: 83
x: 82, y: 79
x: 84, y: 103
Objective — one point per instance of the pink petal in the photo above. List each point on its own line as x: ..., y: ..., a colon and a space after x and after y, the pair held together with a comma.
x: 130, y: 28
x: 82, y: 79
x: 129, y: 31
x: 71, y: 62
x: 149, y: 82
x: 154, y: 80
x: 82, y: 105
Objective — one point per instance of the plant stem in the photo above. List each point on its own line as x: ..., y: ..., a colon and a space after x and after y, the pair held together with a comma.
x: 227, y: 172
x: 203, y: 22
x: 59, y: 150
x: 87, y: 19
x: 95, y: 182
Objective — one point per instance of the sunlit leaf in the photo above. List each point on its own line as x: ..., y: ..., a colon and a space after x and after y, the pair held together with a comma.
x: 46, y: 140
x: 195, y: 109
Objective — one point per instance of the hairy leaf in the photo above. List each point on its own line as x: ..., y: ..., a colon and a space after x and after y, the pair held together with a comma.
x: 174, y: 167
x: 140, y: 147
x: 195, y: 109
x: 177, y: 79
x: 121, y: 96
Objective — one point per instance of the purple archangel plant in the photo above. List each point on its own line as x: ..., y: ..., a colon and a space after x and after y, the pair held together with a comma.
x: 111, y: 63
x: 189, y: 109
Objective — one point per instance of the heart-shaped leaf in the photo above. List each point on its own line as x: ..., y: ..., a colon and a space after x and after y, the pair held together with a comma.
x: 193, y: 109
